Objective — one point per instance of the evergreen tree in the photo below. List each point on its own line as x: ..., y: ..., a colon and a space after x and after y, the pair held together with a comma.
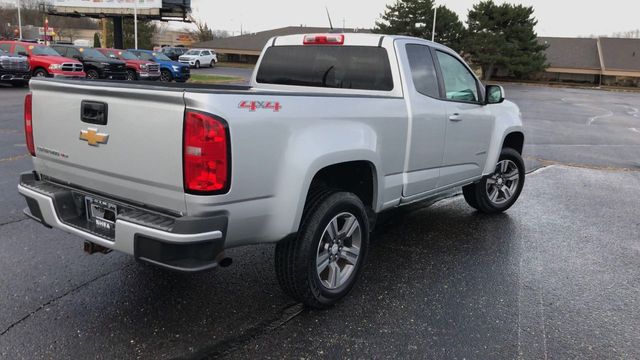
x: 146, y: 29
x: 415, y: 18
x: 503, y: 37
x: 96, y: 40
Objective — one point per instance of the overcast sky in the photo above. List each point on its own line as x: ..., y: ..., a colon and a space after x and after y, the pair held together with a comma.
x: 556, y: 17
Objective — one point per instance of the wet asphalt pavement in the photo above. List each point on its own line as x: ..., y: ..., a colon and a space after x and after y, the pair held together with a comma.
x: 557, y: 276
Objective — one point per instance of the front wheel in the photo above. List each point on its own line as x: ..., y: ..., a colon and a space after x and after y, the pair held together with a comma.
x: 498, y: 192
x: 212, y: 64
x: 93, y: 74
x: 197, y: 64
x: 131, y: 75
x: 320, y: 265
x: 165, y: 76
x: 40, y: 73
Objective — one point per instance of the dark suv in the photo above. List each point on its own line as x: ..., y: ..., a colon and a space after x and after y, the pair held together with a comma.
x: 96, y: 65
x: 173, y: 53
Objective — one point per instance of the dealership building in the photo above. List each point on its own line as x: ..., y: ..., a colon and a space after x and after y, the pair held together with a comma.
x: 607, y: 61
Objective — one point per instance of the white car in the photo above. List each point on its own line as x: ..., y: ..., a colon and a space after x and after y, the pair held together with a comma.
x: 199, y: 57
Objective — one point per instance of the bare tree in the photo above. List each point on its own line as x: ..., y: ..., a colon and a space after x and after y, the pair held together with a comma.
x: 202, y: 32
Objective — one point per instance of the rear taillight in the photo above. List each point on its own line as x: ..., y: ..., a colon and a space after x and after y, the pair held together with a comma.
x: 28, y: 124
x: 206, y: 163
x: 324, y: 39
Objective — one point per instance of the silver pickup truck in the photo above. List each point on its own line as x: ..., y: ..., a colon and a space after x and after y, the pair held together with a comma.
x: 334, y: 129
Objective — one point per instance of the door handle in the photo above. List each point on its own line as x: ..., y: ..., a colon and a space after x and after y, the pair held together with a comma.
x: 455, y: 117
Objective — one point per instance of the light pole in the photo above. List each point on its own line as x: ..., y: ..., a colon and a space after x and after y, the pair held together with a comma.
x: 433, y: 31
x: 135, y: 23
x: 19, y: 21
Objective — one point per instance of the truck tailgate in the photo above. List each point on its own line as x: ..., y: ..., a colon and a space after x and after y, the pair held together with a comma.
x: 141, y: 159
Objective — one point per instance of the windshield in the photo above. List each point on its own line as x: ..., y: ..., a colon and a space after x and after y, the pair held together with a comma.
x: 92, y: 54
x: 43, y: 51
x: 126, y: 55
x: 193, y: 52
x: 161, y: 56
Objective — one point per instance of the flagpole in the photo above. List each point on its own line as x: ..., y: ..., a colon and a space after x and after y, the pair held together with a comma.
x: 135, y: 22
x: 433, y: 32
x: 19, y: 21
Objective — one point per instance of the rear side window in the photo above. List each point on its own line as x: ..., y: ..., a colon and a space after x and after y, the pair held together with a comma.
x: 19, y: 49
x: 423, y: 71
x: 341, y: 67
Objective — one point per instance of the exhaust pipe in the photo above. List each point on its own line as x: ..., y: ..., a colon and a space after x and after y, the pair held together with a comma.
x: 91, y: 248
x: 223, y: 260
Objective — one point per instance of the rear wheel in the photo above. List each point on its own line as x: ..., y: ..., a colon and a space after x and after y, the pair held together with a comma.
x: 131, y: 75
x: 320, y: 265
x: 499, y: 191
x: 165, y: 75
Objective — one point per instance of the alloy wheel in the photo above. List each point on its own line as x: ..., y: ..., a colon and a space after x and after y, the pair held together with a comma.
x: 503, y: 184
x: 338, y: 250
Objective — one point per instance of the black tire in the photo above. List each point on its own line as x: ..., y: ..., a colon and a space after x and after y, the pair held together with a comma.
x: 197, y: 64
x: 212, y: 64
x: 132, y: 75
x: 469, y: 193
x: 165, y: 76
x: 295, y: 257
x: 40, y: 73
x: 93, y: 74
x: 477, y: 195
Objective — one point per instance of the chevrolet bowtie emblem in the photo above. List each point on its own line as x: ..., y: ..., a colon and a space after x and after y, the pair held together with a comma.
x: 93, y: 137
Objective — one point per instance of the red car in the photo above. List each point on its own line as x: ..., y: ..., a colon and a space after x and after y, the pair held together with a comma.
x: 136, y: 69
x: 44, y: 61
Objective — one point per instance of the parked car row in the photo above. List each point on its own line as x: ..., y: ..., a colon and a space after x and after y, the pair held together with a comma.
x: 19, y: 61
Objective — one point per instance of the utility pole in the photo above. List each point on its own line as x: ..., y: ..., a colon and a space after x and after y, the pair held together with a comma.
x: 433, y: 31
x: 19, y: 21
x: 104, y: 33
x: 135, y: 23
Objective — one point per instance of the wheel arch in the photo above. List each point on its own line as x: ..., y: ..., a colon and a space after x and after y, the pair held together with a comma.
x: 514, y: 140
x: 511, y: 136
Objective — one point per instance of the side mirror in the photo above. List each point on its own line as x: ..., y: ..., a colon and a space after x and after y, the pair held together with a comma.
x: 494, y: 94
x: 22, y: 53
x: 77, y: 57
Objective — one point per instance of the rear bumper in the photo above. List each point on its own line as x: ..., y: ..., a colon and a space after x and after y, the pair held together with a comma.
x: 187, y: 244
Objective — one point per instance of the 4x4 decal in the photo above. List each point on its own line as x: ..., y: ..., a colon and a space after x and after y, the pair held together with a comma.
x: 260, y: 105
